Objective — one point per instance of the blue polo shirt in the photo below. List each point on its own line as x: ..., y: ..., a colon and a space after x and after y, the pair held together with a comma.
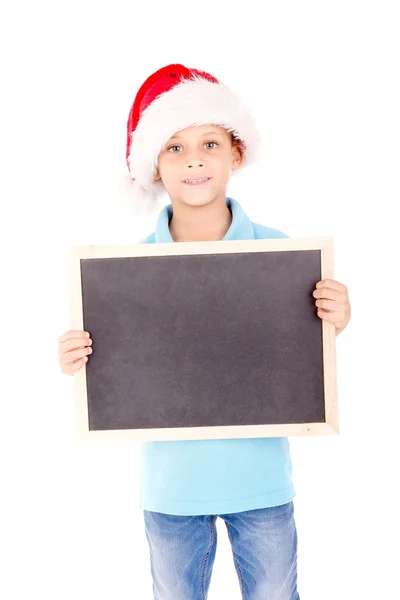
x: 203, y: 477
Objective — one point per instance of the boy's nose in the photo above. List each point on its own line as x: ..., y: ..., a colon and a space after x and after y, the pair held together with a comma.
x: 194, y: 163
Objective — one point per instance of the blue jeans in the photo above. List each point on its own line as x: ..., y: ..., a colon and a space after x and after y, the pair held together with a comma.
x: 264, y: 547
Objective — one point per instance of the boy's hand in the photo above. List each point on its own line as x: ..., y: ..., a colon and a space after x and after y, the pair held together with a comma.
x: 333, y: 303
x: 73, y: 347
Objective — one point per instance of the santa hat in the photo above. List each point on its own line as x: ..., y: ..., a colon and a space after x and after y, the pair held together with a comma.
x: 172, y: 99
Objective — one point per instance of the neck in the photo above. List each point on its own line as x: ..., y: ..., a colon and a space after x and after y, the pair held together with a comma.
x: 200, y: 223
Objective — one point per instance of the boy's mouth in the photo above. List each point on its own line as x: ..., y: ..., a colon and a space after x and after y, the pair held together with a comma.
x: 197, y: 182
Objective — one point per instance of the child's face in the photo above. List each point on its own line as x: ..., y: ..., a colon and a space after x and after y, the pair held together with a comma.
x: 194, y: 153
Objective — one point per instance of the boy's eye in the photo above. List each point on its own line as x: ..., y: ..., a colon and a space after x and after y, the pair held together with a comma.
x: 177, y: 146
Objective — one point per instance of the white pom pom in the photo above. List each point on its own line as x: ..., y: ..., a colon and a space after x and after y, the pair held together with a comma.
x: 133, y: 199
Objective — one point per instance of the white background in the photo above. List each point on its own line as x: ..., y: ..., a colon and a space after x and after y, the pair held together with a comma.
x: 323, y: 81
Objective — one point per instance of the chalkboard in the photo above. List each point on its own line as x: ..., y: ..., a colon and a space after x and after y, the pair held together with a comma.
x: 204, y: 340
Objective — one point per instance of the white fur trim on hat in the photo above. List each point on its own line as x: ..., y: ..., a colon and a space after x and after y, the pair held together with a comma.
x: 192, y: 102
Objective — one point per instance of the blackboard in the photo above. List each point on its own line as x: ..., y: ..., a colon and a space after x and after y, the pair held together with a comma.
x: 202, y: 340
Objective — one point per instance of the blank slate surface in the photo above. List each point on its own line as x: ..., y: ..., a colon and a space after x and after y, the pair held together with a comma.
x: 196, y: 344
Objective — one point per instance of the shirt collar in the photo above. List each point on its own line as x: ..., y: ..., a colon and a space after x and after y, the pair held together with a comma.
x: 240, y: 228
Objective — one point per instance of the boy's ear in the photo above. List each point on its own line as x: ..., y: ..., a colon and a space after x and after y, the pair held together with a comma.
x: 157, y: 176
x: 237, y: 157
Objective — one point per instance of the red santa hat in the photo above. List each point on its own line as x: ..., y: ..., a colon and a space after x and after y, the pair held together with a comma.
x: 172, y: 99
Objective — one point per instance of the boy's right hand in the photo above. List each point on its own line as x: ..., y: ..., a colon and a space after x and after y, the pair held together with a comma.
x: 73, y: 348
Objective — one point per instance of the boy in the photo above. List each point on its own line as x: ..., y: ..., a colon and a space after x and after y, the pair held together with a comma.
x: 186, y: 134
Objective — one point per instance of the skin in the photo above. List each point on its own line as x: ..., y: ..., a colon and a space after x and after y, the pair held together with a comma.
x: 201, y: 214
x: 333, y: 303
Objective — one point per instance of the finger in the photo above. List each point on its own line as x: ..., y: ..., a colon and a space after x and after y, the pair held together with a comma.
x: 71, y: 369
x: 330, y: 305
x: 73, y: 344
x: 70, y: 357
x: 331, y: 284
x: 329, y: 294
x: 73, y: 334
x: 327, y: 316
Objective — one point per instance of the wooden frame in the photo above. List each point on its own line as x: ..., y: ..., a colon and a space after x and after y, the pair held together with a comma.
x: 325, y: 245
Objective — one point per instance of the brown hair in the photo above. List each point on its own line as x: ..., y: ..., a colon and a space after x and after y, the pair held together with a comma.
x: 237, y: 142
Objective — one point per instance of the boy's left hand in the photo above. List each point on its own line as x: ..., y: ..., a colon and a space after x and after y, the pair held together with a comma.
x: 333, y: 303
